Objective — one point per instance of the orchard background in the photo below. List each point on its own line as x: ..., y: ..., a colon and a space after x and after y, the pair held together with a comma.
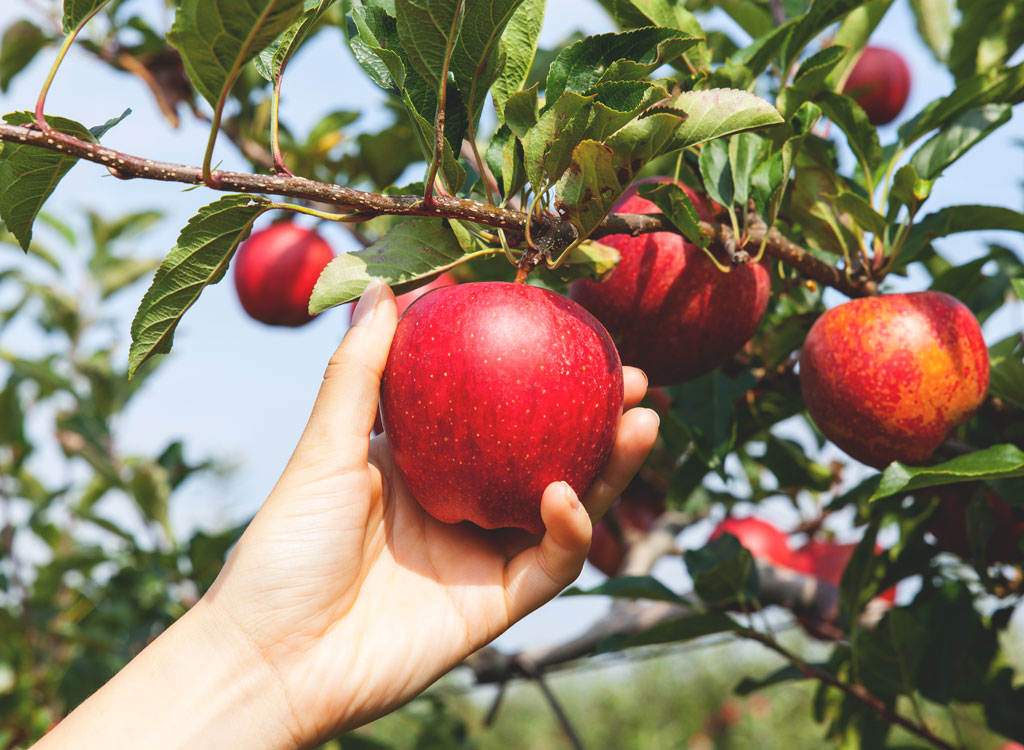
x: 119, y: 498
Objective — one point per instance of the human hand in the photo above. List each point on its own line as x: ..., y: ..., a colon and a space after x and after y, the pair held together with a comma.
x: 344, y: 599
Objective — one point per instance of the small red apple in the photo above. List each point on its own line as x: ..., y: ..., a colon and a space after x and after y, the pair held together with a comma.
x: 880, y: 84
x: 639, y: 508
x: 671, y: 312
x: 827, y: 561
x: 887, y: 378
x: 276, y: 270
x: 949, y: 526
x: 765, y: 542
x: 404, y: 300
x: 491, y: 392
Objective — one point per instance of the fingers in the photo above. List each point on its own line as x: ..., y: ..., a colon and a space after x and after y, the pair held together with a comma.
x: 538, y: 573
x: 346, y: 405
x: 634, y: 383
x: 638, y: 430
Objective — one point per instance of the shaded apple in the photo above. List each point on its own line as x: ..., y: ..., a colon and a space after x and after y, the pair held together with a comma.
x: 275, y: 271
x: 670, y: 311
x: 949, y: 525
x: 491, y: 392
x: 765, y: 542
x: 639, y: 509
x: 404, y: 300
x: 880, y: 83
x: 887, y: 378
x: 827, y: 561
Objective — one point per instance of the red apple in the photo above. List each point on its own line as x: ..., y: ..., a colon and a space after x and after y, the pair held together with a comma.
x: 276, y: 270
x: 765, y: 542
x: 880, y: 84
x: 639, y: 508
x: 671, y: 312
x: 607, y: 549
x: 887, y: 378
x: 826, y: 561
x: 949, y: 526
x: 404, y: 300
x: 491, y: 392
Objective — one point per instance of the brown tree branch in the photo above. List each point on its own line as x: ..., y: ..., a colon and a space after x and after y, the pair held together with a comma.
x: 128, y: 166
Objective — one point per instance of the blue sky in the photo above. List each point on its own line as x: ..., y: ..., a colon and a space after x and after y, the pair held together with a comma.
x: 240, y: 391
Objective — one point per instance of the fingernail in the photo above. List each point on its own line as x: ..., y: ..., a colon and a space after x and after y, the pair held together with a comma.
x: 574, y: 502
x: 656, y: 416
x: 367, y: 306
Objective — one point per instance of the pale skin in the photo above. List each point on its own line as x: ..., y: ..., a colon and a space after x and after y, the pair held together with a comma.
x: 343, y: 599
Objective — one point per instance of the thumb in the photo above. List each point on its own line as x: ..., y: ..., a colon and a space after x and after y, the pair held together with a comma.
x: 536, y: 575
x: 346, y: 405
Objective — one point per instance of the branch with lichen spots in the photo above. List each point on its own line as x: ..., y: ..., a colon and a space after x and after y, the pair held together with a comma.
x: 128, y: 166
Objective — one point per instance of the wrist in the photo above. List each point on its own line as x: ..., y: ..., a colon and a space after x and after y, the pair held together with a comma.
x: 200, y: 684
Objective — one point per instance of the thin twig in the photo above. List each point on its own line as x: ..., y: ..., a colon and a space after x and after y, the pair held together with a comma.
x: 534, y: 673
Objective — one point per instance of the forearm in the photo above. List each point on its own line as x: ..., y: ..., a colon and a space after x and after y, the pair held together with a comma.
x: 199, y: 685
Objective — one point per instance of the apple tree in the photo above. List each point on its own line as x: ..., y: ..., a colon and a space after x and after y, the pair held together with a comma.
x: 502, y: 160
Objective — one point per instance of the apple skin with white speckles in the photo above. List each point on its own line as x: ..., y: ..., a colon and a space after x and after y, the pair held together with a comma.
x: 670, y: 311
x: 887, y: 378
x: 491, y: 392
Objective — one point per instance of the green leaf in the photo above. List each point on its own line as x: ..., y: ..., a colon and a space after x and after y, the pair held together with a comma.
x: 723, y: 571
x: 427, y: 29
x: 935, y: 25
x: 997, y: 462
x: 716, y: 113
x: 810, y: 79
x: 862, y: 212
x: 746, y: 151
x: 415, y: 249
x: 29, y: 175
x: 625, y: 56
x: 201, y: 256
x: 705, y: 406
x: 987, y: 35
x: 853, y: 121
x: 218, y: 38
x: 373, y: 37
x: 677, y: 208
x: 548, y: 146
x: 854, y: 33
x: 955, y: 219
x: 272, y: 60
x: 995, y: 86
x: 98, y: 131
x: 78, y: 12
x: 600, y: 172
x: 517, y: 49
x: 21, y: 42
x: 958, y: 137
x: 888, y: 657
x: 630, y: 587
x: 1006, y: 378
x: 788, y: 673
x: 716, y: 173
x: 1018, y: 287
x: 477, y: 58
x: 683, y: 629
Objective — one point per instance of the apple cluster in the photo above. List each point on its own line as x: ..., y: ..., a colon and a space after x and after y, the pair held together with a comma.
x: 493, y: 390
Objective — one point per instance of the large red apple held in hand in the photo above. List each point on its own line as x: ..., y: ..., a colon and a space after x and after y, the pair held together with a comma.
x: 887, y: 378
x: 276, y: 270
x: 639, y: 508
x: 671, y: 312
x: 827, y: 561
x: 491, y: 392
x: 880, y: 84
x: 765, y: 542
x: 949, y: 526
x: 404, y: 300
